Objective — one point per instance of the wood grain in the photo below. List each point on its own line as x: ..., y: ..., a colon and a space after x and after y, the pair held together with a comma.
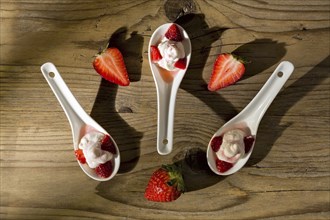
x: 288, y: 175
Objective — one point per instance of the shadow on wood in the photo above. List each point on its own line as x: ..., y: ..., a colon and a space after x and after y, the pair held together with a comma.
x: 285, y: 100
x: 195, y: 170
x: 202, y: 37
x: 131, y: 49
x: 260, y: 55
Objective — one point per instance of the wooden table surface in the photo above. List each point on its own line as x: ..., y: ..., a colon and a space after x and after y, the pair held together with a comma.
x: 287, y: 176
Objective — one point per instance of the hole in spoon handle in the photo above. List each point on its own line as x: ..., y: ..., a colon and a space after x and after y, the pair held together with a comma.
x: 259, y: 105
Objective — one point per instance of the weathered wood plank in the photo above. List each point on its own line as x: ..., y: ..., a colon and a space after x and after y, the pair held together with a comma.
x: 287, y: 176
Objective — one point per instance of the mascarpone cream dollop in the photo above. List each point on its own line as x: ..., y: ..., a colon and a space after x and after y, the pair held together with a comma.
x: 232, y: 147
x: 91, y: 146
x: 171, y: 52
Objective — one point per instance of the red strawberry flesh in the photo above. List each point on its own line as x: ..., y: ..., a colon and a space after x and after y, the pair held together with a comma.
x: 227, y: 70
x: 181, y: 63
x: 173, y: 33
x: 248, y: 142
x: 104, y: 170
x: 216, y: 143
x: 80, y: 156
x: 223, y: 166
x: 155, y: 54
x: 110, y: 65
x: 108, y: 145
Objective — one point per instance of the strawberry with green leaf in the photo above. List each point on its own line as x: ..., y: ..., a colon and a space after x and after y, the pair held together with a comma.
x: 165, y: 185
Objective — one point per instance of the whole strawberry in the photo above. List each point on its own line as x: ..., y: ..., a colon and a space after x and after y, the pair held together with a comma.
x: 165, y: 185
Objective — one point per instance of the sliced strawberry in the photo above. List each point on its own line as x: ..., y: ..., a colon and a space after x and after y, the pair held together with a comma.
x: 248, y: 142
x: 173, y: 33
x: 110, y: 65
x: 104, y: 170
x: 223, y: 166
x: 216, y: 143
x: 80, y: 156
x: 108, y: 145
x: 155, y: 54
x: 181, y: 63
x: 227, y: 70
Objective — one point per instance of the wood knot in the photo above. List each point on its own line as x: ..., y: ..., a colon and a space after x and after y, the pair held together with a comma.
x: 125, y: 109
x: 175, y: 9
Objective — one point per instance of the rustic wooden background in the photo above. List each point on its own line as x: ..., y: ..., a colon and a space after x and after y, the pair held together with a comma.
x: 288, y: 175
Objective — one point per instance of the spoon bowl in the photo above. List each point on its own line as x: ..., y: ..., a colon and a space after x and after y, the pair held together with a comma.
x: 249, y: 118
x: 80, y: 122
x: 167, y: 84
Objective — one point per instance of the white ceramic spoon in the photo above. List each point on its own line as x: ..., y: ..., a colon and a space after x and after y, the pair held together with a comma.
x: 249, y: 118
x: 167, y: 90
x: 80, y: 121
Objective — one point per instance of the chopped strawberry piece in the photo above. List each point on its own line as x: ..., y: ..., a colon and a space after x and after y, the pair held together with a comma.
x: 173, y: 33
x: 181, y: 63
x: 80, y: 156
x: 223, y: 166
x: 155, y: 54
x: 248, y: 142
x: 110, y: 65
x: 104, y: 170
x: 227, y: 70
x: 216, y: 143
x: 108, y: 145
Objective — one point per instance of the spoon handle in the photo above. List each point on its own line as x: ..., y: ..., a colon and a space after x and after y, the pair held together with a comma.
x: 260, y: 103
x: 166, y: 106
x: 70, y: 105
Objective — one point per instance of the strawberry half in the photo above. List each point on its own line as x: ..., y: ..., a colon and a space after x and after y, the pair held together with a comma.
x: 165, y: 185
x: 104, y: 170
x: 173, y: 33
x: 227, y: 70
x: 181, y: 63
x: 155, y: 54
x: 110, y: 65
x: 108, y: 145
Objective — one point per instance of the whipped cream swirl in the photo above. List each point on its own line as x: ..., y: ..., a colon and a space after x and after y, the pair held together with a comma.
x: 171, y: 52
x: 232, y: 147
x: 91, y: 146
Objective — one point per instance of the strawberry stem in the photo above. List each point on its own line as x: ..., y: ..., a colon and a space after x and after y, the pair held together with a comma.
x: 175, y: 174
x: 240, y: 59
x: 101, y: 49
